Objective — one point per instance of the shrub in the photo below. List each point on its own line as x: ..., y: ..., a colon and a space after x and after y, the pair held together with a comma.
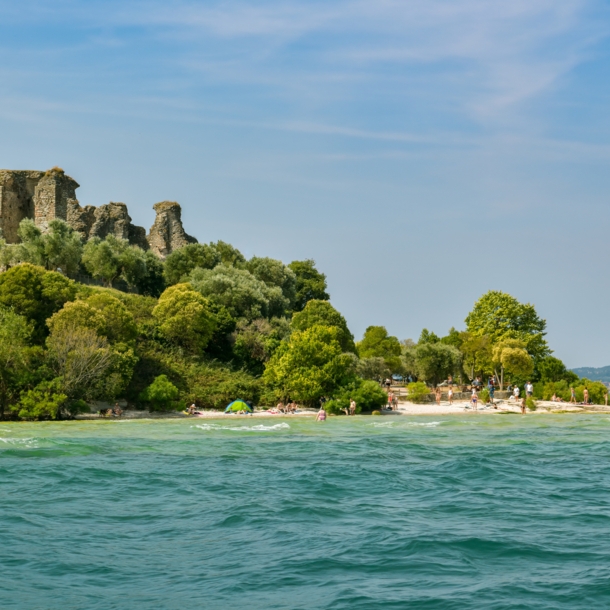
x: 376, y: 412
x: 484, y: 395
x: 530, y: 403
x: 417, y: 391
x: 160, y: 393
x: 337, y: 406
x: 45, y: 401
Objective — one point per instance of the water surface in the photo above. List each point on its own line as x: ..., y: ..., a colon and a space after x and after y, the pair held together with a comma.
x: 488, y: 511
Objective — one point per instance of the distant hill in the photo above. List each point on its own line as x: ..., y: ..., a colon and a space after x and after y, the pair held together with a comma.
x: 600, y: 374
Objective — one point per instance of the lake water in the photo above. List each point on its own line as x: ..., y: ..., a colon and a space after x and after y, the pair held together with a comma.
x: 487, y: 511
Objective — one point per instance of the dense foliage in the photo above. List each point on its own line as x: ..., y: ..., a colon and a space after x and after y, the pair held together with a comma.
x: 104, y: 320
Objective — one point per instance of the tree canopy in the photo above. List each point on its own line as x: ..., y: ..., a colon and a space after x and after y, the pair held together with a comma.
x: 242, y: 294
x: 322, y: 313
x: 310, y: 283
x: 377, y: 343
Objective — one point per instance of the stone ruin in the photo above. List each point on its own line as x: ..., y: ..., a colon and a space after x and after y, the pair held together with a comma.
x: 44, y: 196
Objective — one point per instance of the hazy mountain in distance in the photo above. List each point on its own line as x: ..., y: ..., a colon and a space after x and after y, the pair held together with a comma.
x: 600, y: 374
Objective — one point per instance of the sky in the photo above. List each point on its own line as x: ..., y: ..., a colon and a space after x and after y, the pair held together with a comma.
x: 421, y: 152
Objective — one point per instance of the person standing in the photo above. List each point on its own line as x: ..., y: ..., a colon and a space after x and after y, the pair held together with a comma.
x: 475, y: 399
x: 450, y: 395
x: 523, y: 405
x: 437, y: 394
x: 352, y: 406
x: 321, y: 416
x: 529, y: 389
x: 516, y: 393
x: 586, y: 395
x: 572, y: 395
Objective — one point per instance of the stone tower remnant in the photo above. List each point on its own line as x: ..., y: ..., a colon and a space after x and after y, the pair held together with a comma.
x: 167, y: 233
x: 44, y: 196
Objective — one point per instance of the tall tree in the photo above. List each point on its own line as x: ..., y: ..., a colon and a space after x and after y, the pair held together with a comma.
x: 499, y: 315
x: 377, y: 343
x: 311, y: 284
x: 324, y: 314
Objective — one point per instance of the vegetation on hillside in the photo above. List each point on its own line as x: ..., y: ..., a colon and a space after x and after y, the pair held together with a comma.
x: 106, y: 320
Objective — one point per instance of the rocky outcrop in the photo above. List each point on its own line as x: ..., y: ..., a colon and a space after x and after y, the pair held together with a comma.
x: 167, y: 233
x: 44, y: 196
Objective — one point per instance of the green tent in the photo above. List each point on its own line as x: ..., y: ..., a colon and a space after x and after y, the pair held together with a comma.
x: 238, y: 405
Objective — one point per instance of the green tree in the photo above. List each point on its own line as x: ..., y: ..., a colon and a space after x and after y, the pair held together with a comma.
x: 243, y: 295
x: 374, y: 368
x: 58, y: 248
x: 35, y: 294
x: 180, y: 263
x: 229, y: 255
x: 308, y: 366
x: 82, y: 361
x: 256, y: 341
x: 111, y: 259
x: 511, y: 355
x: 118, y: 322
x: 553, y: 369
x: 275, y: 274
x: 322, y: 313
x: 498, y: 316
x: 184, y: 317
x: 428, y: 336
x: 476, y: 354
x: 436, y: 361
x: 377, y: 343
x: 15, y: 333
x: 311, y: 284
x: 160, y: 393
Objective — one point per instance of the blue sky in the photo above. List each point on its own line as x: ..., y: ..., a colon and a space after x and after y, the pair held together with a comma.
x: 421, y: 152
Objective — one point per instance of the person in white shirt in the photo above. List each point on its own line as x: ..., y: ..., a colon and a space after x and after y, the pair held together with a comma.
x: 529, y: 388
x: 516, y: 393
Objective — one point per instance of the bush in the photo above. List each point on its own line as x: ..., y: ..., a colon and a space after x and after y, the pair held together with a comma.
x: 484, y: 395
x: 160, y: 393
x: 45, y: 401
x: 418, y: 391
x: 337, y: 406
x: 530, y: 403
x: 376, y: 412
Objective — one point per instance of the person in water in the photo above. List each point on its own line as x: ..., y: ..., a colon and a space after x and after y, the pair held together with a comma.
x: 523, y: 405
x: 321, y: 416
x: 474, y: 399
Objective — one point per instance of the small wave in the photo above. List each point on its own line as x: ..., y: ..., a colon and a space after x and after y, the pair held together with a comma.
x: 430, y: 424
x: 30, y: 443
x: 258, y: 428
x: 385, y: 424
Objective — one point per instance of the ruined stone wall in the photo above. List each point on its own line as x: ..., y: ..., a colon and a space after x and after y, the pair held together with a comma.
x: 54, y: 193
x: 16, y: 200
x: 44, y: 196
x: 167, y: 233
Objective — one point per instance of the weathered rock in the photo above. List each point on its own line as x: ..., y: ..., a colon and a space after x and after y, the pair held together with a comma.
x: 113, y: 219
x: 17, y: 190
x: 167, y: 233
x: 81, y: 219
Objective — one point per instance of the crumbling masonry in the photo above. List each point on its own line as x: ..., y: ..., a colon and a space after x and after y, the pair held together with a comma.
x: 44, y: 196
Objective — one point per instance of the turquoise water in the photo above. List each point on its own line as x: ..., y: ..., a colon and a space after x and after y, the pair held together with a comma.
x: 485, y: 511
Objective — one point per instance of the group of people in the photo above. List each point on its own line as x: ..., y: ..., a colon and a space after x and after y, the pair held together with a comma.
x: 392, y: 401
x: 288, y: 408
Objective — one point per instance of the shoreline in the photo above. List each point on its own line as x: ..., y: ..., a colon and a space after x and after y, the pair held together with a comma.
x: 404, y: 409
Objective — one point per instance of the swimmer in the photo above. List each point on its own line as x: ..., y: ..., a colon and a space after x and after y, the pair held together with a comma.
x: 321, y: 416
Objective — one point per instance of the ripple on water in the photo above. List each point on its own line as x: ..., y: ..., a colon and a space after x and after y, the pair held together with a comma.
x: 357, y: 513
